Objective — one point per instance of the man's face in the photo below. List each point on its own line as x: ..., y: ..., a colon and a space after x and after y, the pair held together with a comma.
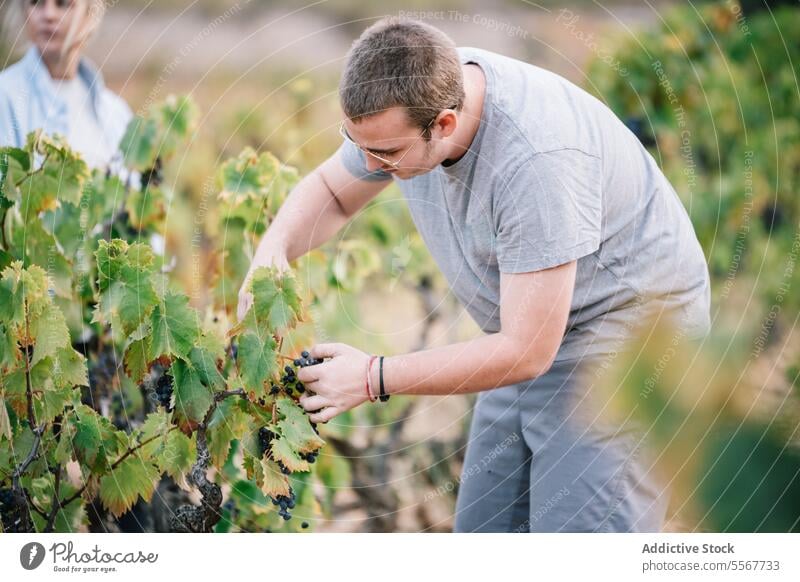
x: 47, y: 23
x: 391, y: 135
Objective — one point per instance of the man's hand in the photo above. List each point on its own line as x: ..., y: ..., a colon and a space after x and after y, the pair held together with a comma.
x: 337, y: 384
x: 269, y: 258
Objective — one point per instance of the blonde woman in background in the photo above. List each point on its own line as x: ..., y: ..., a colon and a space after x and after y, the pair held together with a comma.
x: 54, y: 87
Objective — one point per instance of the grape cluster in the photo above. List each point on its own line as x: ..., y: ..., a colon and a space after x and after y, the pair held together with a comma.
x: 285, y: 503
x: 290, y: 381
x: 164, y: 391
x: 265, y: 437
x: 305, y: 360
x: 10, y: 513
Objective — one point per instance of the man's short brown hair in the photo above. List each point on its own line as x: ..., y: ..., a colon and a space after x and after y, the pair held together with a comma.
x: 406, y: 63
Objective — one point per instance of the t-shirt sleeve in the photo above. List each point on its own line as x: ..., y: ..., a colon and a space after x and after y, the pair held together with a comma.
x: 550, y: 212
x: 356, y: 163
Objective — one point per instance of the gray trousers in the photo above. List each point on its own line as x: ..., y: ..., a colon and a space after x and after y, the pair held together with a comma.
x: 541, y: 458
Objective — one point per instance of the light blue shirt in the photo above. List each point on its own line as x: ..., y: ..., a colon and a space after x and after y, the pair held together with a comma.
x: 28, y: 103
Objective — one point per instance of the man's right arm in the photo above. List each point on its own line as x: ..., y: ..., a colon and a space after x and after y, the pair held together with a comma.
x: 316, y: 209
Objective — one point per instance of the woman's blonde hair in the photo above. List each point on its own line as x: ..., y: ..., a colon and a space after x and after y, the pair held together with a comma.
x: 93, y: 10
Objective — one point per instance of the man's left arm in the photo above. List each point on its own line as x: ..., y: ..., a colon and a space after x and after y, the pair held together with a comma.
x: 534, y: 308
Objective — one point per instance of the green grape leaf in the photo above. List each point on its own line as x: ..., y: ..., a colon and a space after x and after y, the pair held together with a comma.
x: 32, y: 244
x: 29, y: 299
x: 276, y: 300
x: 14, y: 165
x: 10, y: 356
x: 6, y: 300
x: 15, y: 387
x: 69, y: 368
x: 156, y: 424
x: 5, y: 422
x: 175, y: 455
x: 50, y: 333
x: 139, y: 145
x: 115, y: 257
x: 94, y: 440
x: 131, y: 479
x: 211, y: 342
x: 206, y: 366
x: 192, y: 397
x: 178, y: 118
x: 127, y: 302
x: 160, y: 133
x: 63, y: 171
x: 295, y: 427
x: 175, y: 327
x: 282, y: 451
x: 228, y: 422
x: 124, y: 278
x: 52, y: 403
x: 145, y: 208
x: 247, y: 176
x: 257, y: 361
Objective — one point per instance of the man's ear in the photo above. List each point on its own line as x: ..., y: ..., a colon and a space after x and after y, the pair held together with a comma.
x: 446, y: 123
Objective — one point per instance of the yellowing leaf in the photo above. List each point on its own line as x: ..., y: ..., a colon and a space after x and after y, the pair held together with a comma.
x: 282, y: 451
x: 274, y: 482
x: 131, y: 479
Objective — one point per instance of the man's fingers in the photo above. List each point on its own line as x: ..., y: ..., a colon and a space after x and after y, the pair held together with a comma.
x: 313, y: 403
x: 325, y: 350
x: 307, y: 375
x: 324, y: 415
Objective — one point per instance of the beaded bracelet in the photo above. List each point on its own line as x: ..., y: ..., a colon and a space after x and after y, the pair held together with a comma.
x: 369, y: 380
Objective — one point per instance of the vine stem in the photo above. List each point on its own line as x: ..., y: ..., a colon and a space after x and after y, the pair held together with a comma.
x: 54, y: 510
x: 34, y: 172
x: 222, y: 395
x: 37, y: 430
x: 219, y: 396
x: 116, y: 463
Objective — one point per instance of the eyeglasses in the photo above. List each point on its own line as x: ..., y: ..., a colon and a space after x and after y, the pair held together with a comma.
x: 392, y: 164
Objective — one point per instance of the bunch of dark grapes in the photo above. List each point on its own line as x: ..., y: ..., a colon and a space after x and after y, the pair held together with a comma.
x: 290, y: 381
x: 164, y: 391
x: 305, y: 360
x: 265, y: 437
x: 285, y: 503
x: 11, y: 512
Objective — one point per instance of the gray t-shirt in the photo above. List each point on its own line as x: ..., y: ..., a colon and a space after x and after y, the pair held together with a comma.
x: 553, y: 176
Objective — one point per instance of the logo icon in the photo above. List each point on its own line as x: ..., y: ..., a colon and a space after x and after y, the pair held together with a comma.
x: 31, y: 555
